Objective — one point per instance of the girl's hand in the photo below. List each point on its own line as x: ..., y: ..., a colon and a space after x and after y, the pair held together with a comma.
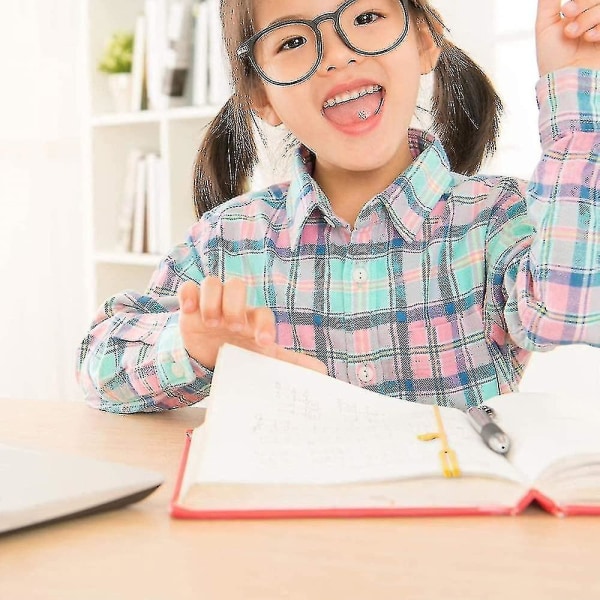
x: 213, y: 314
x: 569, y: 41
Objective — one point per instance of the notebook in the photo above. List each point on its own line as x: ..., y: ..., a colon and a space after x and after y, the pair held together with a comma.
x: 40, y: 487
x: 281, y: 441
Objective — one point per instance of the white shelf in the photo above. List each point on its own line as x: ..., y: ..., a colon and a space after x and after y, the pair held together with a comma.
x: 154, y: 116
x: 192, y: 112
x: 128, y: 259
x: 174, y: 133
x: 124, y: 119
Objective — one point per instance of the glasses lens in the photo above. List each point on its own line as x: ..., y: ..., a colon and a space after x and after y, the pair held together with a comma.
x: 286, y: 53
x: 373, y: 25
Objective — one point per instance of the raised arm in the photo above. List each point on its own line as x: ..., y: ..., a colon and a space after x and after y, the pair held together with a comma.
x: 551, y: 281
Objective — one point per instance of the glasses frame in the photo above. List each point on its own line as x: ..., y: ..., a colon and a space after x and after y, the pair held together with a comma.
x: 246, y: 49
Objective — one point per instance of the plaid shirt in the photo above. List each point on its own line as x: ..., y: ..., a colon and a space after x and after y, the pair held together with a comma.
x: 439, y: 293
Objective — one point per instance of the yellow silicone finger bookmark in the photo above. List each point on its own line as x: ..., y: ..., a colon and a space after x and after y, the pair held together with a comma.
x: 448, y: 458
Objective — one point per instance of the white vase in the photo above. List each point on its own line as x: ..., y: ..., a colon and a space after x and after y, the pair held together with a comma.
x: 119, y: 85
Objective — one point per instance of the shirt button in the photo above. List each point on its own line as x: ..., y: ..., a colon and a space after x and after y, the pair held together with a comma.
x: 359, y: 275
x: 365, y: 373
x: 177, y: 370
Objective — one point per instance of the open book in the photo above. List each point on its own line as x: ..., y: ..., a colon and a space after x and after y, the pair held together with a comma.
x: 279, y: 440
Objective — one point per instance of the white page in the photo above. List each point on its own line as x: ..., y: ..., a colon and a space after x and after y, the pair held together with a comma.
x: 273, y: 422
x: 545, y: 428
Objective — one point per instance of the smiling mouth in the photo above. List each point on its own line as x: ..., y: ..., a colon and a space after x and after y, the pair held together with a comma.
x: 353, y: 107
x: 351, y: 96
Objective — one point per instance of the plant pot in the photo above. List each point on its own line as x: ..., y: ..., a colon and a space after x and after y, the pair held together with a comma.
x: 119, y: 85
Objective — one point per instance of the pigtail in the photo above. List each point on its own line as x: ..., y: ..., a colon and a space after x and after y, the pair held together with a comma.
x: 466, y: 110
x: 226, y: 158
x: 465, y: 107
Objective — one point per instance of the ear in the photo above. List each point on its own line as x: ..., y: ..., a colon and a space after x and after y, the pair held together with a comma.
x: 263, y: 107
x: 429, y: 51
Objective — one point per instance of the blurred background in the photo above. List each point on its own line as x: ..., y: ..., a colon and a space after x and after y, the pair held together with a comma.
x: 76, y: 160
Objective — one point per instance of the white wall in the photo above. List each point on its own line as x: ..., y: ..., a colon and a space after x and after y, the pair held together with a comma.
x: 41, y: 265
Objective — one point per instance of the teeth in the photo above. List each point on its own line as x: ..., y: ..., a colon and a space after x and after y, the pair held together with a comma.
x: 347, y: 96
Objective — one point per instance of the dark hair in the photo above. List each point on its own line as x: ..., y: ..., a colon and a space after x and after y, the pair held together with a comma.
x: 227, y: 155
x: 465, y: 110
x: 465, y: 107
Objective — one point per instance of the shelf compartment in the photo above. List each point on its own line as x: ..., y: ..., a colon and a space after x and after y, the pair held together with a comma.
x: 112, y: 147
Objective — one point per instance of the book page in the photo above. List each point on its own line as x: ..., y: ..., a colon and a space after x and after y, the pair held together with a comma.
x: 546, y: 428
x: 273, y: 422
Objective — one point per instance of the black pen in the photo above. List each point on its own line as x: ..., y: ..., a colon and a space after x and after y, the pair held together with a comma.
x: 491, y: 434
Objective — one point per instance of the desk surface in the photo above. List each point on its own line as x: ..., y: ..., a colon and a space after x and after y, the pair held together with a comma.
x: 141, y: 553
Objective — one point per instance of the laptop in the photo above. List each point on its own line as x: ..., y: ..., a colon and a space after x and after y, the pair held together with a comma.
x: 41, y: 487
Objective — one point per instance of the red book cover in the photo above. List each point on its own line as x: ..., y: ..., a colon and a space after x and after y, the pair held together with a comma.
x: 179, y: 511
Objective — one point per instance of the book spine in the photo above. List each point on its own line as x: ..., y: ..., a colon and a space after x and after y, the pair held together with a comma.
x: 219, y: 86
x: 164, y: 214
x: 547, y: 504
x: 200, y: 58
x: 155, y: 52
x: 127, y: 213
x: 153, y: 201
x: 139, y: 219
x: 178, y: 53
x: 138, y: 67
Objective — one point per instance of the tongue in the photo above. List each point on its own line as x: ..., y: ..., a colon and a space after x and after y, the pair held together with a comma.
x: 354, y: 111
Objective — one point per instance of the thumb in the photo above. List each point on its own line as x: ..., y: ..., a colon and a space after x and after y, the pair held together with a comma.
x: 548, y: 13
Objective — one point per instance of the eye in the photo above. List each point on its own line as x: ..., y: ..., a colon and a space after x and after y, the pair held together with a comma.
x: 366, y: 18
x: 293, y: 43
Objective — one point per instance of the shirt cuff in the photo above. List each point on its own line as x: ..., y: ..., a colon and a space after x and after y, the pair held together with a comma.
x: 569, y: 102
x: 176, y: 369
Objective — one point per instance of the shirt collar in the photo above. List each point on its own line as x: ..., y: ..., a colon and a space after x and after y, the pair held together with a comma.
x: 408, y: 200
x: 415, y: 193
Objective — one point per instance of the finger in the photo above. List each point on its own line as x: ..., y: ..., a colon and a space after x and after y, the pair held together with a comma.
x: 593, y: 34
x: 211, y: 298
x: 262, y: 322
x: 234, y: 304
x: 576, y: 7
x: 570, y: 9
x: 302, y: 360
x: 188, y: 297
x: 589, y: 22
x: 548, y: 13
x: 586, y: 23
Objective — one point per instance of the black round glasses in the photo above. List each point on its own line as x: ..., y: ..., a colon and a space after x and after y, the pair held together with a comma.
x: 290, y: 51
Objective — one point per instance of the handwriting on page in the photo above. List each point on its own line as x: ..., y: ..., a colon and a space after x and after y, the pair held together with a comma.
x: 340, y: 434
x: 335, y: 438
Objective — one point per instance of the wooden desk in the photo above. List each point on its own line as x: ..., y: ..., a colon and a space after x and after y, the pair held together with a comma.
x: 141, y: 553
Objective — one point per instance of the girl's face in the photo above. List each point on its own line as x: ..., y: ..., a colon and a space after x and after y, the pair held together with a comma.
x: 369, y: 131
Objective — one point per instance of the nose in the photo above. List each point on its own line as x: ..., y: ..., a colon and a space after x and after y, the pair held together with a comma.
x: 335, y: 52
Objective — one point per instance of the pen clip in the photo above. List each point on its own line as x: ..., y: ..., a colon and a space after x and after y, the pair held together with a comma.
x: 489, y: 410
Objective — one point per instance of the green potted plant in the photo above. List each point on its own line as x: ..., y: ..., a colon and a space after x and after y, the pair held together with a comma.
x: 116, y: 62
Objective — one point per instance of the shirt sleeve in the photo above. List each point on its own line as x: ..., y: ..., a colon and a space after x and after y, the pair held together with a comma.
x: 549, y: 274
x: 133, y: 358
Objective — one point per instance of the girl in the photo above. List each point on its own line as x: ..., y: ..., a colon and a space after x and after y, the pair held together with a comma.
x: 384, y: 261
